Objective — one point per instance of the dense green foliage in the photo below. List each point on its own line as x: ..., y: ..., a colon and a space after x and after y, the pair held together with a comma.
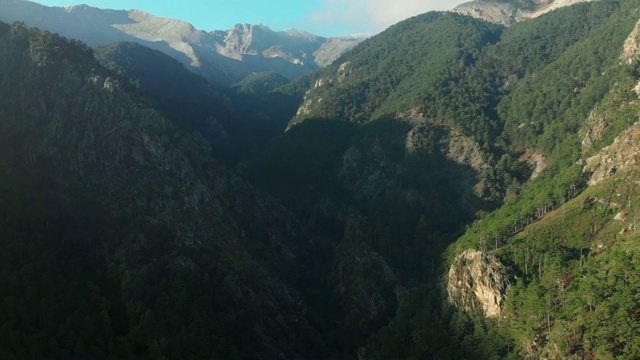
x: 123, y: 236
x: 575, y: 290
x: 463, y: 81
x: 535, y: 87
x: 550, y: 105
x: 260, y: 83
x: 373, y: 81
x: 553, y: 245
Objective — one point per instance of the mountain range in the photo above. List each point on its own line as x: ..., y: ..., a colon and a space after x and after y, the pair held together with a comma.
x: 222, y: 57
x: 450, y: 188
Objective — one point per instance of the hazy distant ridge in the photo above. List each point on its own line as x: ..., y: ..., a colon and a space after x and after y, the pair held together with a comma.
x: 222, y: 57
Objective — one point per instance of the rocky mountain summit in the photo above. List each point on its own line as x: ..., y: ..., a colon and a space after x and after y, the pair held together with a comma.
x: 509, y: 12
x: 495, y: 12
x: 222, y: 57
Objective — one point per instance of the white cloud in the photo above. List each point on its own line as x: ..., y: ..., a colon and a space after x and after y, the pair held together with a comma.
x: 374, y: 15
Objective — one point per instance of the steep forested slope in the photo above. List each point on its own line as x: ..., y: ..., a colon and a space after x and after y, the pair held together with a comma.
x: 573, y: 293
x: 236, y: 121
x: 374, y: 80
x: 534, y: 91
x: 122, y: 236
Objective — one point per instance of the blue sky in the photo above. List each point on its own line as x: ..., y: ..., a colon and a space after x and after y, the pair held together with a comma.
x: 322, y: 17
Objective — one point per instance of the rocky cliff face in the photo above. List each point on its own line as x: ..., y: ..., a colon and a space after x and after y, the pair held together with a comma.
x: 223, y: 57
x: 477, y: 284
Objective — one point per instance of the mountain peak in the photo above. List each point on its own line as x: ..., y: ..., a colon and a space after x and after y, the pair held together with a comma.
x: 297, y: 33
x: 510, y: 11
x: 250, y: 27
x: 222, y: 57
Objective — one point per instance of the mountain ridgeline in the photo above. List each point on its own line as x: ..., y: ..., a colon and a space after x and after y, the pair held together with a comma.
x: 450, y: 188
x: 235, y: 121
x: 222, y: 57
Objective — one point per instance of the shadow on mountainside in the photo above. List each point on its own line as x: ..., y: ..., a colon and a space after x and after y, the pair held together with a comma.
x: 380, y: 201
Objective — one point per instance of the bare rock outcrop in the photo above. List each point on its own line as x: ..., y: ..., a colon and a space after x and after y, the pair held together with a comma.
x: 495, y: 12
x: 432, y: 136
x: 508, y: 13
x: 631, y: 49
x: 476, y: 283
x: 536, y: 161
x: 621, y: 156
x: 553, y: 5
x: 592, y: 130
